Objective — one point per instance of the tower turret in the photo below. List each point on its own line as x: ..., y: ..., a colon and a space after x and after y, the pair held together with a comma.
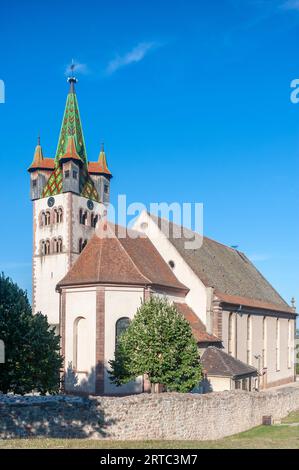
x: 40, y: 170
x: 71, y: 164
x: 101, y: 176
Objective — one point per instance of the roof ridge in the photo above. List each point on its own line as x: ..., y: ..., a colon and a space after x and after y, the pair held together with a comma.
x: 193, y: 231
x: 130, y: 258
x: 237, y: 275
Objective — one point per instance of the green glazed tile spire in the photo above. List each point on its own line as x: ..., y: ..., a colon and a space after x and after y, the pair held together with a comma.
x: 71, y: 126
x: 71, y: 131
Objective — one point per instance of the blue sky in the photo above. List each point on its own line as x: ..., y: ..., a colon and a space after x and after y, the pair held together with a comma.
x: 192, y: 100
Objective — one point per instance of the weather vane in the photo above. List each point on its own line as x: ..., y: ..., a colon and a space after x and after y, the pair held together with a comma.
x: 72, y: 78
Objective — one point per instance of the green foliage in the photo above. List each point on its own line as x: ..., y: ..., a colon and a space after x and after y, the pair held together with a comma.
x: 32, y: 359
x: 159, y: 343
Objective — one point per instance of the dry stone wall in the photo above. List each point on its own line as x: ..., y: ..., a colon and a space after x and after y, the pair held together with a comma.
x: 164, y: 416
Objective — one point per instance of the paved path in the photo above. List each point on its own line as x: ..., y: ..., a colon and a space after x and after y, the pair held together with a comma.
x: 292, y: 384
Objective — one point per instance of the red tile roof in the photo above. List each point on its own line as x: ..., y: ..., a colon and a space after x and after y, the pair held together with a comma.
x: 110, y: 259
x: 254, y: 303
x: 71, y: 151
x: 44, y: 164
x: 198, y: 328
x: 100, y: 167
x: 96, y: 167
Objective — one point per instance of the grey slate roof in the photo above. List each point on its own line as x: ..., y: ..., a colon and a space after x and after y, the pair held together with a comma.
x: 218, y: 363
x: 227, y: 270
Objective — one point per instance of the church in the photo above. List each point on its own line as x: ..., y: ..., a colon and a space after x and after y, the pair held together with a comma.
x: 89, y: 279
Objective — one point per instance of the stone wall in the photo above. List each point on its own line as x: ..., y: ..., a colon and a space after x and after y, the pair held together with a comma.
x: 164, y: 416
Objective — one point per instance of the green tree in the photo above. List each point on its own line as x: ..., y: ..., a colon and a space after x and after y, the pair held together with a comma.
x: 32, y: 360
x: 159, y: 343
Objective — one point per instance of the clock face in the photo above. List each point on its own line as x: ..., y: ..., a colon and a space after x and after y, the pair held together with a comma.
x: 51, y: 201
x: 90, y: 204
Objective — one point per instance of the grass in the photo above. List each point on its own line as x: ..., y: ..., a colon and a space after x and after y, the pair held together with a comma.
x: 262, y: 437
x: 292, y: 418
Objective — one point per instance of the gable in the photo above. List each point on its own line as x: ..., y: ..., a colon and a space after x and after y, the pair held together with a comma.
x: 225, y: 269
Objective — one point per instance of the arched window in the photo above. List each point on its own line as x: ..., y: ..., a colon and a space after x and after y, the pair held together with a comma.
x: 59, y: 245
x: 59, y: 215
x: 43, y: 219
x: 43, y: 247
x: 249, y: 339
x: 55, y: 213
x: 54, y: 244
x: 264, y: 342
x: 47, y: 247
x: 121, y: 326
x: 277, y: 344
x: 231, y: 342
x: 83, y: 217
x: 82, y: 244
x: 94, y: 220
x: 80, y: 340
x: 47, y: 218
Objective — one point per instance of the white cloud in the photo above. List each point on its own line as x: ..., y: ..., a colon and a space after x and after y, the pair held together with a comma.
x: 77, y: 67
x: 135, y: 55
x: 291, y: 5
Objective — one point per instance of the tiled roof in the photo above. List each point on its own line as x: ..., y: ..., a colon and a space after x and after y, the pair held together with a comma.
x: 71, y: 126
x: 216, y: 362
x: 227, y: 270
x: 198, y: 328
x: 86, y: 185
x: 111, y: 259
x: 44, y: 164
x: 39, y: 162
x: 96, y: 168
x: 70, y: 151
x: 253, y: 303
x: 100, y: 167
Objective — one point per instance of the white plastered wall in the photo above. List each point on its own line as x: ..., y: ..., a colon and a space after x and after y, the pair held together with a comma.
x: 80, y: 303
x: 257, y: 344
x: 48, y: 270
x: 119, y: 302
x: 220, y: 384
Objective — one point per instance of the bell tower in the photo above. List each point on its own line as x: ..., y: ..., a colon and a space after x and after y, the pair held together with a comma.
x: 69, y: 197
